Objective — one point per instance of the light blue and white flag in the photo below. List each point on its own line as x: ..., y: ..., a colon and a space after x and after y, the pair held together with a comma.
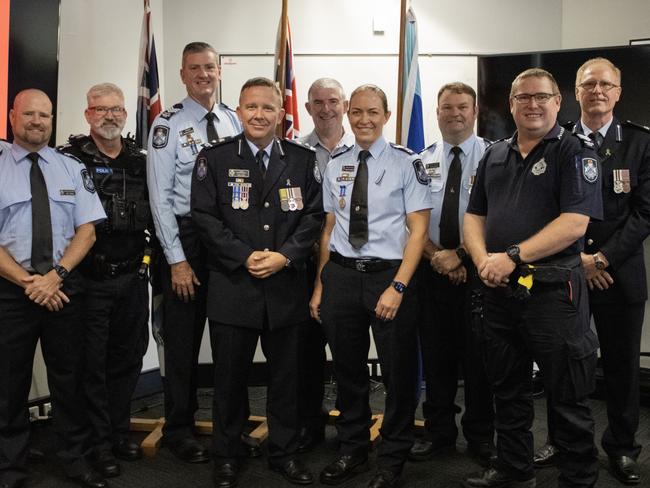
x: 412, y: 124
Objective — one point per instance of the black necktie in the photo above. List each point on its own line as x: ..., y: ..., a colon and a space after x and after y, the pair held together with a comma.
x: 597, y: 138
x: 212, y: 130
x: 41, y: 219
x: 358, y: 234
x: 449, y: 228
x: 259, y: 157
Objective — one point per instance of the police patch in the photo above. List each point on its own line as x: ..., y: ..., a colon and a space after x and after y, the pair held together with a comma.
x: 590, y: 169
x: 317, y: 175
x: 89, y: 185
x: 201, y: 168
x: 420, y: 172
x: 160, y: 136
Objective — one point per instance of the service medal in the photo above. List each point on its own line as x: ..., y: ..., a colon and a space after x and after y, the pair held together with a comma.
x: 618, y: 186
x: 236, y: 199
x: 622, y: 180
x: 284, y: 199
x: 244, y: 196
x: 341, y: 203
x: 297, y: 195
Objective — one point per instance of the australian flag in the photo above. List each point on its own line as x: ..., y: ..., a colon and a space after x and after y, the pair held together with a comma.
x: 149, y: 103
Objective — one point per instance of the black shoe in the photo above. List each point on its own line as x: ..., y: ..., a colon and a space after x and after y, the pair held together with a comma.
x: 546, y: 456
x: 127, y: 450
x: 251, y: 446
x: 344, y: 468
x: 189, y: 450
x: 384, y: 479
x: 225, y: 475
x: 625, y: 469
x: 492, y: 478
x: 294, y: 471
x: 89, y: 479
x: 484, y: 452
x: 423, y: 449
x: 310, y: 438
x: 105, y: 464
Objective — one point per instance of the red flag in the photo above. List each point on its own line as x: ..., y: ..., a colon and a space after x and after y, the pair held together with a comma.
x: 149, y: 103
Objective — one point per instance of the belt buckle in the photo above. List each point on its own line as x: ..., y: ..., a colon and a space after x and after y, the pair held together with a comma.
x: 360, y: 266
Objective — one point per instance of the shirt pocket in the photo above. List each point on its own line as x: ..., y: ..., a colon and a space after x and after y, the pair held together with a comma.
x: 14, y: 211
x: 62, y: 211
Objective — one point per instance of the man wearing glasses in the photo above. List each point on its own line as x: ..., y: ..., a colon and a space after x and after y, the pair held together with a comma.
x: 529, y: 209
x: 116, y: 307
x: 613, y: 259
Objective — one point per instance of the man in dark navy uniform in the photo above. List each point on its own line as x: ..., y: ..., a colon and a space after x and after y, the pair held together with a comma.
x: 613, y: 259
x: 529, y: 209
x: 116, y: 304
x: 256, y: 202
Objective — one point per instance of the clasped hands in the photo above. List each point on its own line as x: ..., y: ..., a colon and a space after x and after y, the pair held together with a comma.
x: 495, y: 269
x: 45, y: 290
x: 447, y: 263
x: 262, y: 264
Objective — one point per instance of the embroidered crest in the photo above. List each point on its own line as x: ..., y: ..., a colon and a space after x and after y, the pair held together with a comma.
x: 160, y: 136
x: 201, y: 168
x: 590, y: 169
x: 420, y: 172
x: 539, y: 167
x: 317, y: 175
x: 89, y: 185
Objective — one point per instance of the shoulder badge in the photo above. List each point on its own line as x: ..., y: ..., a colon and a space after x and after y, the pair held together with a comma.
x: 201, y: 168
x: 296, y: 142
x: 629, y: 123
x: 317, y: 176
x: 420, y: 172
x: 169, y: 113
x: 87, y: 181
x: 160, y: 136
x: 402, y: 148
x: 347, y: 149
x: 590, y: 170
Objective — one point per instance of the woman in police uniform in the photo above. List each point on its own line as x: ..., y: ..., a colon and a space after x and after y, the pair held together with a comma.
x: 378, y: 204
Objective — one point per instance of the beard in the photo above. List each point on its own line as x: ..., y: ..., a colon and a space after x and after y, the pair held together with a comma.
x: 109, y: 131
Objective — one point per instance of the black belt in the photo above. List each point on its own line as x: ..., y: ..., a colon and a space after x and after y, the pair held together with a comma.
x: 364, y: 265
x: 98, y: 267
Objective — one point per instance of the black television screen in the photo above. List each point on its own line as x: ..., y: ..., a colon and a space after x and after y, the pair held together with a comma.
x: 495, y: 74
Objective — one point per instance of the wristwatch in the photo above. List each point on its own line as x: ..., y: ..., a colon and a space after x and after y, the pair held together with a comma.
x: 399, y: 286
x: 61, y: 271
x: 461, y: 253
x: 513, y: 253
x: 600, y: 264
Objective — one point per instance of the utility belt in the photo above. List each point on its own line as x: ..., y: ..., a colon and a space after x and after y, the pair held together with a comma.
x: 96, y: 266
x: 525, y: 276
x: 372, y: 265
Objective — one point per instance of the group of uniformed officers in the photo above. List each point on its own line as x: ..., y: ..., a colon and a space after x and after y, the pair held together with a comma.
x: 476, y: 256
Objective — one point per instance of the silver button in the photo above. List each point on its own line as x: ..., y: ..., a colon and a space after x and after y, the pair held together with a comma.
x: 266, y: 227
x: 266, y: 249
x: 267, y: 204
x: 590, y: 242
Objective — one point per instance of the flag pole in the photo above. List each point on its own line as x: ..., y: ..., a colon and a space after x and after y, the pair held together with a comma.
x: 282, y: 59
x: 400, y: 73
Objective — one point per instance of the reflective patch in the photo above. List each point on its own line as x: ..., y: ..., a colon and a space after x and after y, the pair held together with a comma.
x: 420, y: 172
x: 160, y: 136
x: 88, y: 181
x: 202, y: 168
x: 590, y: 169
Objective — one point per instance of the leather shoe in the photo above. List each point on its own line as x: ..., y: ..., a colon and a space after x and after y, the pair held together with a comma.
x: 127, y: 450
x: 546, y: 456
x: 625, y: 469
x: 423, y: 449
x: 484, y: 452
x: 251, y: 446
x: 189, y: 450
x: 225, y: 475
x: 344, y: 468
x: 384, y: 479
x: 310, y: 438
x: 90, y: 479
x: 105, y: 464
x: 492, y: 478
x: 294, y: 471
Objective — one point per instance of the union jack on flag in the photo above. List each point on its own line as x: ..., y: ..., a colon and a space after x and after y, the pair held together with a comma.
x: 291, y: 123
x: 149, y: 103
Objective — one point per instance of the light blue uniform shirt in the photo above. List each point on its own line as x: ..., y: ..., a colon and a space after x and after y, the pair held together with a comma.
x: 437, y: 159
x: 175, y: 139
x: 393, y: 191
x: 323, y: 155
x: 267, y: 151
x: 73, y: 200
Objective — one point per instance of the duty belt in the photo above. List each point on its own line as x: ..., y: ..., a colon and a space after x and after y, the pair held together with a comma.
x: 100, y: 268
x: 364, y: 265
x: 553, y: 272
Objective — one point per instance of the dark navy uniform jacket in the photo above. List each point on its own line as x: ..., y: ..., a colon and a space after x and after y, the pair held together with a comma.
x: 520, y: 196
x: 232, y: 230
x: 626, y: 211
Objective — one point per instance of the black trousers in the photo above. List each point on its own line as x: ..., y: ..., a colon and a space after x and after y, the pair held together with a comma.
x: 22, y: 324
x: 347, y: 309
x: 233, y: 349
x: 115, y: 316
x: 552, y: 328
x: 182, y: 331
x: 449, y: 339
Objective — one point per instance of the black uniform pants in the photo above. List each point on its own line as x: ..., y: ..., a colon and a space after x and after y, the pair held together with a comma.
x: 619, y: 327
x: 347, y: 309
x: 116, y: 313
x: 22, y: 324
x: 182, y: 331
x: 233, y: 349
x: 448, y: 339
x: 552, y: 328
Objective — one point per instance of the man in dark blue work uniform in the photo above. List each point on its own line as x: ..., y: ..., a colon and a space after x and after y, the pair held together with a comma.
x: 613, y: 260
x: 530, y: 206
x: 116, y: 304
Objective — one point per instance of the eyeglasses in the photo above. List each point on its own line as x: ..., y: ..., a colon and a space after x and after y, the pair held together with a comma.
x: 605, y: 86
x: 540, y: 98
x: 104, y: 110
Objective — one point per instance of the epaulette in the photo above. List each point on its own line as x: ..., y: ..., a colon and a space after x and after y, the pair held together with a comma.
x: 132, y: 147
x: 402, y: 148
x: 586, y: 142
x: 169, y: 113
x: 342, y: 152
x: 302, y: 145
x: 220, y: 142
x: 432, y: 146
x: 226, y: 107
x: 61, y: 150
x: 76, y: 139
x: 487, y: 142
x: 629, y: 123
x: 568, y: 125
